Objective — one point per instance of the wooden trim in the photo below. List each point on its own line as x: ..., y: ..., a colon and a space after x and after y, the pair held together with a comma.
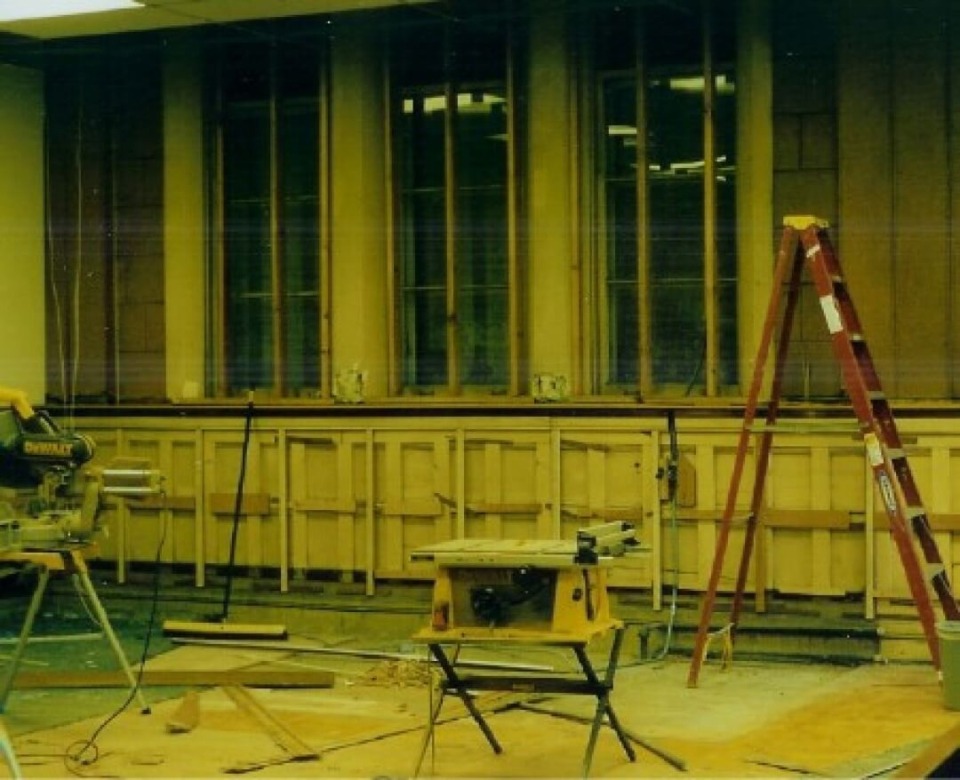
x: 413, y: 507
x: 503, y: 509
x: 939, y: 521
x: 806, y: 519
x: 334, y: 505
x: 159, y: 502
x: 251, y: 503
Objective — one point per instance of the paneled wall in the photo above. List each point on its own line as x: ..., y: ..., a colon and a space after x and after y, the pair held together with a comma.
x: 349, y: 499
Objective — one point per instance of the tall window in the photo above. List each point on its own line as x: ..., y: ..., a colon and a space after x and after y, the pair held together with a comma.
x: 667, y: 174
x: 267, y: 141
x: 455, y: 249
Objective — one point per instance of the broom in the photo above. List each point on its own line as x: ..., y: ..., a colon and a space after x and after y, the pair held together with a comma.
x: 217, y: 625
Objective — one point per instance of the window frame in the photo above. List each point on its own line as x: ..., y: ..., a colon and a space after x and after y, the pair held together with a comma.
x: 218, y: 324
x: 639, y: 71
x: 451, y: 87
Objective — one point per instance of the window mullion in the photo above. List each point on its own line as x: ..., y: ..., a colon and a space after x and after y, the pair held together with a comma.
x: 710, y: 210
x: 450, y: 238
x: 278, y: 325
x: 219, y: 334
x: 325, y: 220
x: 513, y: 260
x: 645, y: 351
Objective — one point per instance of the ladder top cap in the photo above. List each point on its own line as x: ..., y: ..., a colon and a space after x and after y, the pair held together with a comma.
x: 803, y: 221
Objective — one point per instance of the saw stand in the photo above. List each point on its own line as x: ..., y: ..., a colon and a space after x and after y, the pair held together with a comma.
x: 522, y: 593
x: 66, y: 560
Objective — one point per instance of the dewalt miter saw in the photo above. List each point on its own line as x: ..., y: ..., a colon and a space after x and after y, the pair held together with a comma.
x: 49, y: 494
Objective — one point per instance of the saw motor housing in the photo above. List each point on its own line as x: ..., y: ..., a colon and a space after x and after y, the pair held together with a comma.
x: 49, y: 492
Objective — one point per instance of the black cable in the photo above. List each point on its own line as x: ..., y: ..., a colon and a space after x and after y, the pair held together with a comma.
x: 76, y: 753
x: 237, y: 506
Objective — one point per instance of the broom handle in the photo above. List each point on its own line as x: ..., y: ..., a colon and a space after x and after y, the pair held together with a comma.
x: 237, y: 505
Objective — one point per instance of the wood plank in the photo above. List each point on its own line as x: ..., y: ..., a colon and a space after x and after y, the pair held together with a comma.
x: 819, y: 519
x: 290, y: 743
x: 255, y: 678
x: 187, y: 715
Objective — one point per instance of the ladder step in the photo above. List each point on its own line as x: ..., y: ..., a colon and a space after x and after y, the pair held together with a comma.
x: 831, y: 426
x: 876, y: 395
x: 896, y: 453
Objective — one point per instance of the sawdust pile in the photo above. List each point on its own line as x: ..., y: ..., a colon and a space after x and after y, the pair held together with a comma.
x: 399, y: 674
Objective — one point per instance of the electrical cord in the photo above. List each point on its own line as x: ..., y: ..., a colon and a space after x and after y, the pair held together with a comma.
x: 85, y: 752
x: 671, y: 472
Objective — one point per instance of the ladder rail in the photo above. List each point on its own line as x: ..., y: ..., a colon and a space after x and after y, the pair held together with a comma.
x: 891, y: 469
x: 785, y: 262
x: 805, y: 242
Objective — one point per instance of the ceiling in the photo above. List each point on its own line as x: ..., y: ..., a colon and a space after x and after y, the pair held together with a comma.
x: 160, y: 14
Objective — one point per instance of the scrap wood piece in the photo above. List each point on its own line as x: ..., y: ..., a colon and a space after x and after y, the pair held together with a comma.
x: 288, y: 647
x: 674, y: 761
x: 786, y: 766
x: 187, y: 715
x: 295, y: 748
x: 253, y: 678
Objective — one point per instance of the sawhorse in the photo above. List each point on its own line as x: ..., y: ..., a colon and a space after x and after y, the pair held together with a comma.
x: 68, y: 560
x: 591, y: 685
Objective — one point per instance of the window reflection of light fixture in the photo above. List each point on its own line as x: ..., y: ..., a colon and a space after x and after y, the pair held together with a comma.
x: 467, y: 103
x: 722, y: 84
x: 477, y: 102
x: 16, y: 10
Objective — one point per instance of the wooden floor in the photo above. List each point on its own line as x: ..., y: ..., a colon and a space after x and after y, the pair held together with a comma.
x: 753, y: 719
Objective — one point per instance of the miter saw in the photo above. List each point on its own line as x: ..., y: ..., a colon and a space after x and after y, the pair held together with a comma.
x: 49, y: 494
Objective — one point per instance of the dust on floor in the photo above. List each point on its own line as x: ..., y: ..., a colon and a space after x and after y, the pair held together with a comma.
x: 750, y: 720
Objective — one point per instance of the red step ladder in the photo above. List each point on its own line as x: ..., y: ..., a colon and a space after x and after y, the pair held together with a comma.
x: 805, y: 242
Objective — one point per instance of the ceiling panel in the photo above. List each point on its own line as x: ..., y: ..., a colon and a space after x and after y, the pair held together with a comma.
x: 161, y: 14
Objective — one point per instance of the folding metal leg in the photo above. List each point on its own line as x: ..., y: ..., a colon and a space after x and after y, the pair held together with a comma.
x: 454, y: 682
x: 602, y: 691
x: 84, y: 576
x: 72, y: 561
x: 21, y: 647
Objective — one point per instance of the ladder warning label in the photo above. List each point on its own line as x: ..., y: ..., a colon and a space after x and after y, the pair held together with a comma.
x: 831, y: 313
x: 886, y: 489
x: 874, y: 453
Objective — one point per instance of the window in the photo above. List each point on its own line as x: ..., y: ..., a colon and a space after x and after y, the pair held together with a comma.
x: 266, y: 191
x: 455, y: 192
x: 667, y: 267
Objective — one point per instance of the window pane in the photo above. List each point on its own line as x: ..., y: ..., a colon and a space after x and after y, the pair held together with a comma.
x: 301, y: 310
x: 678, y: 331
x: 424, y: 285
x: 482, y: 287
x: 482, y: 262
x: 248, y: 282
x: 620, y: 173
x: 425, y: 337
